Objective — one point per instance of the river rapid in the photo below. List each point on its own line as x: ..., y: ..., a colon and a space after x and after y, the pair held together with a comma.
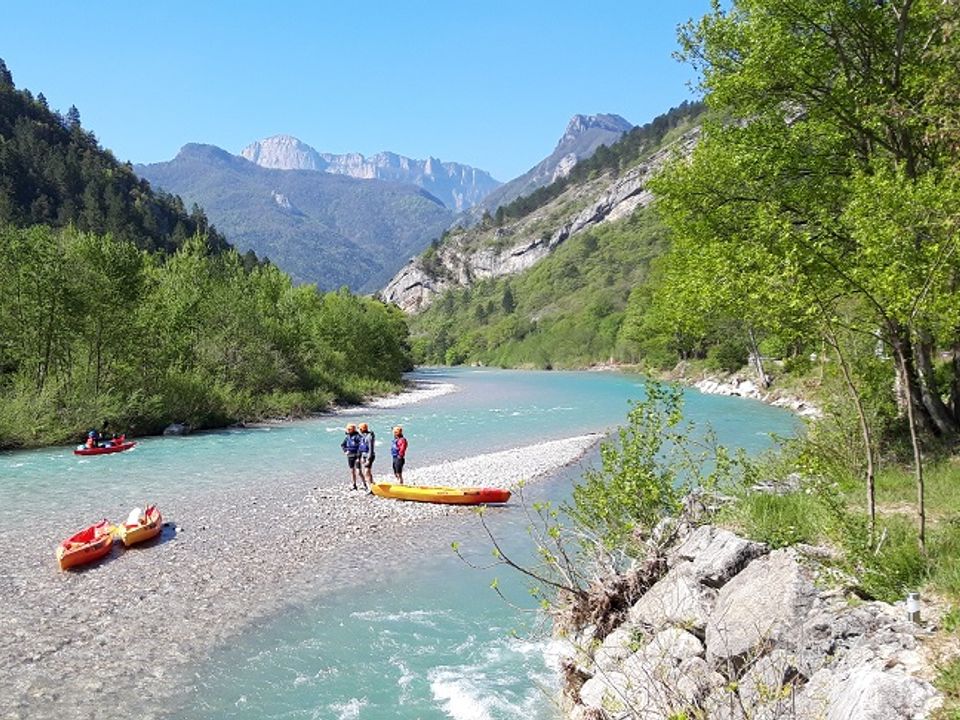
x: 277, y: 592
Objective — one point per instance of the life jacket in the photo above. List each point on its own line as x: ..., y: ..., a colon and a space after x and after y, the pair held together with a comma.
x: 351, y: 443
x: 366, y: 442
x: 395, y: 447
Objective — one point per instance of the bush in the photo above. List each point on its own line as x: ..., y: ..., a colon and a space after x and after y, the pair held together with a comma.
x: 729, y: 356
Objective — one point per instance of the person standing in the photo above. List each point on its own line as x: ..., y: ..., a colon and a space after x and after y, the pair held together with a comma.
x: 398, y: 449
x: 351, y: 448
x: 368, y: 453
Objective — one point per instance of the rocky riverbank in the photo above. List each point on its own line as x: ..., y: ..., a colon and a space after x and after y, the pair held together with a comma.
x: 734, y: 631
x: 118, y: 639
x: 738, y: 386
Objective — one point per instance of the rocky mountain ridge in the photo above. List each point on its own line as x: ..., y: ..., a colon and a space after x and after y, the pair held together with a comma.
x: 470, y: 255
x: 327, y: 229
x: 457, y: 186
x: 581, y: 138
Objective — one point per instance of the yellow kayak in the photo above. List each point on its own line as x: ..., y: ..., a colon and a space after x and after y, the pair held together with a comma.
x: 140, y: 527
x: 435, y: 494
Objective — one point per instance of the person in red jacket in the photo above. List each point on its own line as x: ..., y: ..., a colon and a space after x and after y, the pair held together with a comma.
x: 398, y: 449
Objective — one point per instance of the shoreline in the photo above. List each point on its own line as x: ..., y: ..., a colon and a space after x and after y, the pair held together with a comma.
x: 133, y: 627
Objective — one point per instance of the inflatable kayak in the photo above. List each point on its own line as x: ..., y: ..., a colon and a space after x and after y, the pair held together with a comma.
x: 83, y: 450
x: 86, y: 546
x: 449, y: 495
x: 140, y: 526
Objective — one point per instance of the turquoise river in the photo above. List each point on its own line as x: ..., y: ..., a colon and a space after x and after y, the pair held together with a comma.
x: 424, y: 636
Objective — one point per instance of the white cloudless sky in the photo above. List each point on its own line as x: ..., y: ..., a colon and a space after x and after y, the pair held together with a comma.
x: 489, y: 84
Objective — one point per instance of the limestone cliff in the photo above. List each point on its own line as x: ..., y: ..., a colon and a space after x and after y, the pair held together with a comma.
x: 469, y: 255
x: 457, y: 186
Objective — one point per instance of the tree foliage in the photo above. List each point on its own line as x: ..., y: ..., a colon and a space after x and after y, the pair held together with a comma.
x: 93, y: 327
x: 828, y: 180
x: 53, y: 172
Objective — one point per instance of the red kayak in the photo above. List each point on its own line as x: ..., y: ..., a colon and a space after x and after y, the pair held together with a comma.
x: 89, y: 544
x: 106, y: 449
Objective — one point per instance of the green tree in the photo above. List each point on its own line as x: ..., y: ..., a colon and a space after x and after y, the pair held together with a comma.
x: 827, y: 145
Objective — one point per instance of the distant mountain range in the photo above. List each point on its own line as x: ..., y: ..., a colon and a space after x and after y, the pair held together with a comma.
x: 328, y: 229
x: 584, y: 134
x: 346, y: 219
x: 457, y: 186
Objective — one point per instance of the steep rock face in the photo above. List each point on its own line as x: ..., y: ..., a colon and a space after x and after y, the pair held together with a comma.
x: 283, y: 152
x: 521, y: 245
x: 583, y: 135
x: 457, y: 186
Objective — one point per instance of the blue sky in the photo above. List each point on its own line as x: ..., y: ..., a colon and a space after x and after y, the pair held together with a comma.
x: 489, y: 84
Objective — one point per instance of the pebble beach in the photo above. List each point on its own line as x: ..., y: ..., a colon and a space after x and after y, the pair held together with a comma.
x: 98, y: 642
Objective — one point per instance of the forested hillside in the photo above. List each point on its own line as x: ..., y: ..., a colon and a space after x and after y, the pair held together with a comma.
x: 118, y: 307
x: 327, y: 229
x: 54, y: 172
x: 546, y: 282
x: 566, y: 311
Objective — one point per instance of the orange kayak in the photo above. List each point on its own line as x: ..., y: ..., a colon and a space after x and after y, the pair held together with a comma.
x: 148, y: 526
x: 448, y: 495
x: 86, y: 546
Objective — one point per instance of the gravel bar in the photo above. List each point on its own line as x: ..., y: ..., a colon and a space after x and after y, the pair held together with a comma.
x: 120, y: 638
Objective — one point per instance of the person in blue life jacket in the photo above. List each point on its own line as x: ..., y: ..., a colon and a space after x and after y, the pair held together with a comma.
x: 398, y: 450
x: 368, y: 454
x: 351, y: 448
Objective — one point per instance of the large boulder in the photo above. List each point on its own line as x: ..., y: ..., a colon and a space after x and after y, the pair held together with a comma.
x: 762, y: 607
x: 716, y: 554
x: 677, y: 598
x: 660, y: 680
x: 865, y: 692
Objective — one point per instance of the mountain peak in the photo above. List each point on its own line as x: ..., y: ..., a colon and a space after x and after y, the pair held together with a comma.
x: 283, y: 152
x: 579, y: 124
x: 205, y: 152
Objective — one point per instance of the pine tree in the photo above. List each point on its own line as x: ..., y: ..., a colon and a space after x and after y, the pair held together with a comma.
x: 73, y: 118
x: 6, y: 77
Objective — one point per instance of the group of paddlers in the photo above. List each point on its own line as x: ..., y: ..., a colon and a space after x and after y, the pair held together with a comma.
x: 359, y: 445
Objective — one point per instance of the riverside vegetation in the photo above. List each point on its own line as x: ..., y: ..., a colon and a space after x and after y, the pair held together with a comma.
x: 813, y: 232
x: 119, y: 305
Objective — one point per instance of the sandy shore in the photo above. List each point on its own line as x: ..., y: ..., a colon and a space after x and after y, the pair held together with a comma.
x: 119, y: 638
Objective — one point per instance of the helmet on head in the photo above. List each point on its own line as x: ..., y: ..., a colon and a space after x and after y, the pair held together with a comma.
x: 364, y: 427
x: 351, y: 427
x: 398, y: 430
x: 92, y: 433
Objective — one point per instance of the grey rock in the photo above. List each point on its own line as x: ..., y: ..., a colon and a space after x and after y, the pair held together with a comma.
x: 865, y: 692
x: 458, y: 186
x: 177, y: 429
x: 616, y: 648
x: 676, y: 599
x: 770, y: 682
x: 717, y: 554
x: 672, y: 644
x: 764, y: 606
